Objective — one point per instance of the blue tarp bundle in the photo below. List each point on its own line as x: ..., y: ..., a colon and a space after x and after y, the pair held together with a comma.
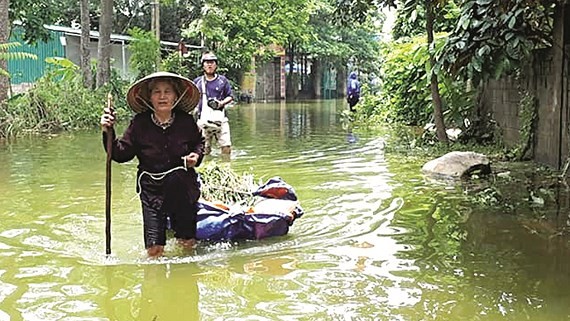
x: 273, y: 213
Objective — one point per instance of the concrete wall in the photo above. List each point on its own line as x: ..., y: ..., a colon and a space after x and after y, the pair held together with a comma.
x: 120, y: 54
x: 548, y: 79
x: 502, y: 98
x: 270, y: 80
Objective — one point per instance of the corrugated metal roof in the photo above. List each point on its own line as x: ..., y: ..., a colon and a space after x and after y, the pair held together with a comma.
x: 28, y: 71
x: 114, y: 37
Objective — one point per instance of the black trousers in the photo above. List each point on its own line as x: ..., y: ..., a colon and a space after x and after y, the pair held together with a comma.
x: 170, y: 197
x: 352, y: 101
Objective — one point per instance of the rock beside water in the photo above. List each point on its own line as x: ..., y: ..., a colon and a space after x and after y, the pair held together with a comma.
x: 458, y: 164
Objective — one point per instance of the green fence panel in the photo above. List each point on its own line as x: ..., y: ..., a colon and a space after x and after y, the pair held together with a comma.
x: 29, y: 70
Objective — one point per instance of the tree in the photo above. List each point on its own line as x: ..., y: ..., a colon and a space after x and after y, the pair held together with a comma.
x: 239, y: 30
x: 434, y: 82
x: 104, y: 46
x: 84, y: 44
x: 32, y: 15
x: 357, y: 10
x: 495, y: 37
x: 410, y: 21
x: 145, y: 51
x: 4, y: 35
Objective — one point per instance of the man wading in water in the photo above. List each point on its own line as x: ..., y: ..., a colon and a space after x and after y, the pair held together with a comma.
x: 216, y: 94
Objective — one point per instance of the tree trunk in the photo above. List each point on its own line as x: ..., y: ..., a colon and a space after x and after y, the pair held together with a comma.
x: 341, y: 76
x: 317, y: 76
x: 104, y: 47
x: 291, y: 89
x: 85, y: 44
x: 4, y: 35
x: 434, y: 84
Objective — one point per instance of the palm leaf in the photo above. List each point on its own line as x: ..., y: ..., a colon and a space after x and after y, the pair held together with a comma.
x: 5, y: 54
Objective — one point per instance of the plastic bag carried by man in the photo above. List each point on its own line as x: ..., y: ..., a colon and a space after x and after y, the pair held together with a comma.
x: 352, y: 90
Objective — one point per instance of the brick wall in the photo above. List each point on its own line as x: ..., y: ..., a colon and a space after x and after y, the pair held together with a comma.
x: 503, y: 98
x: 548, y: 79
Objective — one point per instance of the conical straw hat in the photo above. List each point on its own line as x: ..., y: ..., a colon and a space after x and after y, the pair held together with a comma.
x: 138, y: 96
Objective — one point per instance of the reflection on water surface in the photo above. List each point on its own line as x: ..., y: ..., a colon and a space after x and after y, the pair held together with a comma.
x: 377, y: 241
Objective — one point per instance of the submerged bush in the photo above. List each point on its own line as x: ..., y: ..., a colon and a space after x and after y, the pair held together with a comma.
x: 406, y: 95
x: 58, y: 101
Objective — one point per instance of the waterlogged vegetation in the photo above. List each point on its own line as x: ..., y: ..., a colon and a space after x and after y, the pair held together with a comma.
x: 396, y: 71
x: 462, y: 239
x: 58, y: 102
x: 378, y: 239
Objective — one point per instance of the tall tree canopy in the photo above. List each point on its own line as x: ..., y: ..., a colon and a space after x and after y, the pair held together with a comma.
x: 239, y: 30
x: 340, y: 43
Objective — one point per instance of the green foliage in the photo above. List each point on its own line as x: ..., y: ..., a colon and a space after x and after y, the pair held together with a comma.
x: 348, y: 11
x: 58, y: 101
x: 368, y: 107
x: 62, y: 68
x: 33, y: 15
x: 145, y: 52
x: 493, y: 37
x: 175, y: 63
x: 239, y: 30
x: 6, y: 54
x: 338, y: 44
x: 411, y: 17
x: 458, y: 99
x: 221, y: 184
x: 406, y: 94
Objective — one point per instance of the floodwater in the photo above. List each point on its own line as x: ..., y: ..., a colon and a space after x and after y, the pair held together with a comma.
x: 378, y: 240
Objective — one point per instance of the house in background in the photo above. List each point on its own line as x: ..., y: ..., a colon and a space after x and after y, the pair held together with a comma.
x: 268, y: 83
x: 64, y: 42
x: 265, y: 80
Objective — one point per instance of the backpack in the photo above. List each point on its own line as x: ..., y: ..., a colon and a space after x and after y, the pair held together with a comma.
x: 353, y: 88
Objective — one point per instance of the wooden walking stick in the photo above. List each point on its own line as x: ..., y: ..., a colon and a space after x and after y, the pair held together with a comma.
x: 109, y: 145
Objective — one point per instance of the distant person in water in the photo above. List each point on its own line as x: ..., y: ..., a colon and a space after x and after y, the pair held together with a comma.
x: 352, y: 90
x: 215, y: 95
x: 168, y: 144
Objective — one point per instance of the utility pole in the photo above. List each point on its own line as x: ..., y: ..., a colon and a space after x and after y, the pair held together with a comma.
x: 155, y: 25
x: 155, y: 19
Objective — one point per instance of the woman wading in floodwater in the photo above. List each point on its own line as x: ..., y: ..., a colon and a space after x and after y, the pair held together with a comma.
x: 168, y: 144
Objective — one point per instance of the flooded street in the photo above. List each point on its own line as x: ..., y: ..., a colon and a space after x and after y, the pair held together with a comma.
x: 378, y: 241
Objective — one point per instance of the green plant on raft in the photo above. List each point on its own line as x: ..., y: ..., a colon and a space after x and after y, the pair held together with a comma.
x: 221, y: 184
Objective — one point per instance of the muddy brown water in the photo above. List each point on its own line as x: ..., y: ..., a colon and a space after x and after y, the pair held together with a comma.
x: 378, y: 240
